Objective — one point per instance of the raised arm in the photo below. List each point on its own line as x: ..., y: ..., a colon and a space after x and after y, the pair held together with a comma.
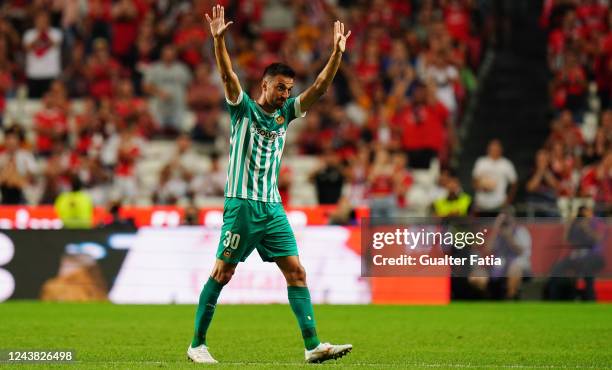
x: 325, y: 78
x: 231, y: 85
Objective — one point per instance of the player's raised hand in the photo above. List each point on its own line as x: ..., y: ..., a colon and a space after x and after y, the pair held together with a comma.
x: 339, y: 36
x: 217, y: 23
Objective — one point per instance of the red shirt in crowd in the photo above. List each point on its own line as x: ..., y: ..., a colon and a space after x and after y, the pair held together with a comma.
x: 284, y: 188
x: 6, y: 80
x: 101, y: 78
x: 423, y: 127
x: 557, y: 39
x: 593, y: 16
x: 84, y: 138
x: 128, y: 154
x: 457, y: 20
x: 596, y: 185
x: 574, y: 80
x: 125, y: 31
x: 189, y: 40
x: 49, y: 122
x: 126, y: 107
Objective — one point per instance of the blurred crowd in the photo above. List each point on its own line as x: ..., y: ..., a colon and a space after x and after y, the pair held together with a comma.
x: 113, y: 75
x: 576, y: 159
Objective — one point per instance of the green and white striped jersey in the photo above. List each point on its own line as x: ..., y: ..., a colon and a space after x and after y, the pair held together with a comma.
x: 257, y: 140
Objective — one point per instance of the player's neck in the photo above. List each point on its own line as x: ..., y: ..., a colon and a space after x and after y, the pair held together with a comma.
x: 268, y: 108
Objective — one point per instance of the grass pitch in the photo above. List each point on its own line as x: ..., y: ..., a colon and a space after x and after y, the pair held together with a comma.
x: 461, y: 335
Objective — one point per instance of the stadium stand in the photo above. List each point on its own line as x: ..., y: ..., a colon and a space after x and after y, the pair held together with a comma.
x: 86, y: 101
x: 94, y: 109
x: 578, y: 145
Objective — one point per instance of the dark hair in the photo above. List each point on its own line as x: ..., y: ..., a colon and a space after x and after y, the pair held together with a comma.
x: 16, y: 130
x: 276, y: 69
x: 76, y: 183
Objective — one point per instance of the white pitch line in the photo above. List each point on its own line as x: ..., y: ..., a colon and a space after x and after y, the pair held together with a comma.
x: 376, y: 365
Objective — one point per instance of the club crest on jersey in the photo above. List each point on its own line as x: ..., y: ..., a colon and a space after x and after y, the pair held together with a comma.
x: 280, y: 120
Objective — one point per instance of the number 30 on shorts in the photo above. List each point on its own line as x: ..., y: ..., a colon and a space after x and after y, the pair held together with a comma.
x: 231, y: 240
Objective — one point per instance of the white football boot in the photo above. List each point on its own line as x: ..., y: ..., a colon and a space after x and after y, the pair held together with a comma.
x: 200, y: 355
x: 326, y: 351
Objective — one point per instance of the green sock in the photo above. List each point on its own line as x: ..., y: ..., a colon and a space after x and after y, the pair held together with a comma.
x: 206, y: 310
x: 299, y: 299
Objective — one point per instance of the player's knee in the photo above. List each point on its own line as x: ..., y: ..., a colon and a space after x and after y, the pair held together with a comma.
x: 296, y: 274
x: 223, y: 275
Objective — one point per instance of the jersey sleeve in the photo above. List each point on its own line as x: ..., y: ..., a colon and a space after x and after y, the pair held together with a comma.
x: 293, y: 109
x: 237, y: 109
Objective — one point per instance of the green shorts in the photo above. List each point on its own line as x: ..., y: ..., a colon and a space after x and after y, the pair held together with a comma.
x: 250, y: 224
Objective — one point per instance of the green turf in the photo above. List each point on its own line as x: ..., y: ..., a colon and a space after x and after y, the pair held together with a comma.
x: 461, y: 335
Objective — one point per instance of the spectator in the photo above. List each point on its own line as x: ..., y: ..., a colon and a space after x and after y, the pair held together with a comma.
x: 511, y: 242
x: 562, y: 165
x: 116, y: 220
x: 6, y: 76
x: 75, y: 207
x: 402, y: 178
x: 94, y: 176
x: 127, y: 106
x: 126, y: 16
x: 145, y: 53
x: 570, y: 87
x: 121, y: 153
x: 566, y: 132
x: 357, y: 176
x: 285, y: 180
x: 542, y: 188
x: 85, y: 132
x: 102, y: 71
x: 204, y: 99
x: 166, y: 82
x: 17, y: 167
x: 382, y: 190
x: 56, y: 174
x: 585, y: 236
x: 192, y: 216
x: 495, y: 181
x: 309, y: 140
x: 211, y: 183
x: 189, y: 39
x: 445, y: 76
x: 456, y: 203
x: 596, y: 183
x: 276, y: 21
x: 344, y: 214
x: 75, y: 75
x: 424, y: 126
x: 51, y: 125
x: 99, y: 19
x: 43, y: 55
x: 328, y: 179
x: 176, y: 175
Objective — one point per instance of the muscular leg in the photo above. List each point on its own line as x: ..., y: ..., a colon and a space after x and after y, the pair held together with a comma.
x: 221, y: 274
x: 293, y: 270
x: 299, y: 298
